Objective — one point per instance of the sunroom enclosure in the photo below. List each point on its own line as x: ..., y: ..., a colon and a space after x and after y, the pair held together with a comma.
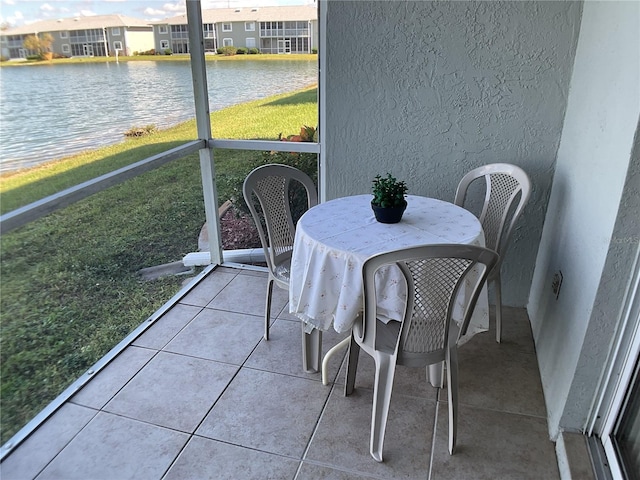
x: 551, y: 86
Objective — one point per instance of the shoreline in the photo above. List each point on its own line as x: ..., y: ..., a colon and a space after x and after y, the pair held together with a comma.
x: 5, y: 174
x: 23, y: 186
x: 160, y: 58
x: 55, y: 143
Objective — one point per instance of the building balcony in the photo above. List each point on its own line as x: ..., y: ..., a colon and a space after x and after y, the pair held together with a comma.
x: 284, y: 33
x: 200, y: 394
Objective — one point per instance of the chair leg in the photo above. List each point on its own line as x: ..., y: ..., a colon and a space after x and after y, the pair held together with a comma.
x: 435, y: 374
x: 352, y: 366
x: 497, y: 284
x: 452, y: 394
x: 267, y: 311
x: 311, y: 350
x: 385, y: 370
x: 327, y: 356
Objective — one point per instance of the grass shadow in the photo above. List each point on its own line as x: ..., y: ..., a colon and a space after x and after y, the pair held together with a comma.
x: 309, y: 96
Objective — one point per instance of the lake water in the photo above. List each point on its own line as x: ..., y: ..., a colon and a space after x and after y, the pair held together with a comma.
x: 51, y: 111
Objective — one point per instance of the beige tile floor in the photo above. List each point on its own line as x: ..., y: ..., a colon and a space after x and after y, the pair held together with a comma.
x: 201, y: 395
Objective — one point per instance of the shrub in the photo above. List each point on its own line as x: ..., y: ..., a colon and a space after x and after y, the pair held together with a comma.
x: 307, y: 134
x: 141, y: 131
x: 241, y: 51
x: 314, y: 50
x: 168, y: 51
x: 3, y: 58
x: 253, y: 51
x: 227, y: 51
x: 230, y: 186
x: 148, y: 52
x: 38, y: 43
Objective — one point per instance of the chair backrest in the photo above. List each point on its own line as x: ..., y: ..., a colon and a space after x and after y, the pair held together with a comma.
x: 504, y: 184
x: 434, y: 275
x: 273, y: 186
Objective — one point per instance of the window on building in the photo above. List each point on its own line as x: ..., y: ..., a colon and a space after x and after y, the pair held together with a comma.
x: 208, y: 30
x: 164, y: 44
x: 180, y: 46
x: 227, y: 42
x: 84, y: 36
x: 226, y: 27
x: 66, y: 49
x: 163, y: 29
x: 271, y: 29
x: 64, y: 34
x: 89, y: 42
x: 249, y: 26
x: 179, y: 31
x: 250, y: 42
x: 115, y: 31
x: 117, y: 45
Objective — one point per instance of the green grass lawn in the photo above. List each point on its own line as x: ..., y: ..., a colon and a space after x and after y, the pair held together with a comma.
x: 70, y: 288
x: 163, y: 58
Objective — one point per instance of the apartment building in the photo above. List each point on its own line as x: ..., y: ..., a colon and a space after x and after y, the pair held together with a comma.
x: 286, y: 29
x: 98, y: 35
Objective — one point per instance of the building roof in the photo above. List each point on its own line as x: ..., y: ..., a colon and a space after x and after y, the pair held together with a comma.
x: 77, y: 23
x: 249, y: 14
x: 214, y: 15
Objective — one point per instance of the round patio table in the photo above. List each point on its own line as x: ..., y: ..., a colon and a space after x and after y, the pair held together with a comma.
x: 334, y: 238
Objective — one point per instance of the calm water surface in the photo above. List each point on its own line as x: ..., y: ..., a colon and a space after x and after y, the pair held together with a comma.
x: 51, y: 111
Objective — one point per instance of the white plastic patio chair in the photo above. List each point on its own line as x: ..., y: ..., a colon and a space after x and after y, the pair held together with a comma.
x: 426, y: 335
x: 507, y: 190
x: 273, y: 186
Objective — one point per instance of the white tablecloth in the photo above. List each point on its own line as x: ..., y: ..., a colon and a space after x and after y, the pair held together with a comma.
x: 333, y: 239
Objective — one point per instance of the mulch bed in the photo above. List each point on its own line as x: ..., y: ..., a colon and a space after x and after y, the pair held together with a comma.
x: 238, y: 230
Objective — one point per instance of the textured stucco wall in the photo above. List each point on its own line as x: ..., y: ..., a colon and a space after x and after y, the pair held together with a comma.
x: 430, y: 90
x: 581, y: 237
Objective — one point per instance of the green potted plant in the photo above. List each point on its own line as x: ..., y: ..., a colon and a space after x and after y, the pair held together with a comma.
x: 389, y: 201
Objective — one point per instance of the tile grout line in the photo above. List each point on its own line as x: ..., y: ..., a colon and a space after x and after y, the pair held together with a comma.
x: 155, y: 355
x: 204, y: 417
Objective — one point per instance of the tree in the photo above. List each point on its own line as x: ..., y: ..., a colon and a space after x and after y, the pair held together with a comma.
x: 40, y: 44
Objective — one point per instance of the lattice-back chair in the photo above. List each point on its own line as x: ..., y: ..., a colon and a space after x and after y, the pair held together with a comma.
x: 507, y: 190
x: 277, y: 189
x: 427, y: 334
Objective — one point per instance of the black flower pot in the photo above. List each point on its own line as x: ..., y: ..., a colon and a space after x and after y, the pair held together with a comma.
x: 388, y: 214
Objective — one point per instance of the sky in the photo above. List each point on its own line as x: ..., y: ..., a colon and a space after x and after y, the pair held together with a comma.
x: 23, y: 12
